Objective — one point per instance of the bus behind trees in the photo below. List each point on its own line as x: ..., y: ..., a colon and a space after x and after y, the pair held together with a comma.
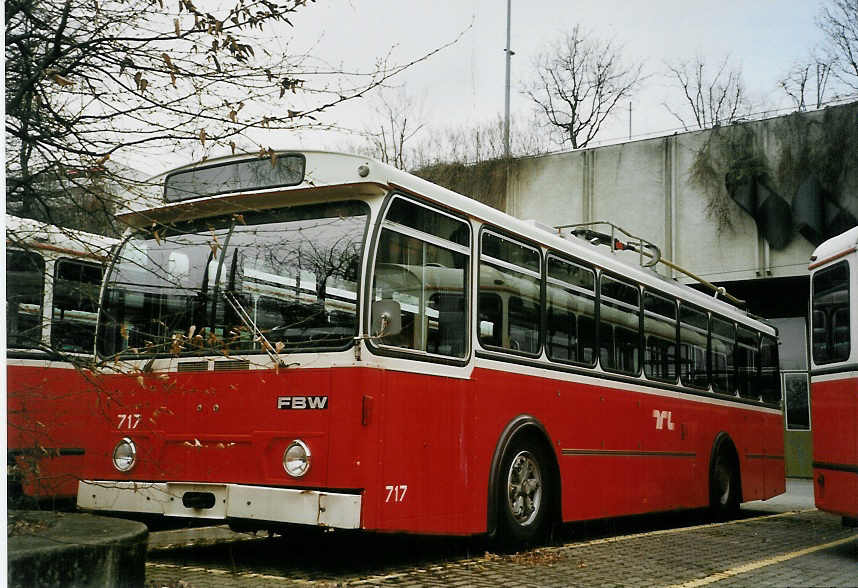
x: 834, y: 375
x: 53, y: 276
x: 320, y: 339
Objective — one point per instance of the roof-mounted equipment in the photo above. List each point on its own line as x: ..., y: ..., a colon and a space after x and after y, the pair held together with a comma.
x: 619, y: 239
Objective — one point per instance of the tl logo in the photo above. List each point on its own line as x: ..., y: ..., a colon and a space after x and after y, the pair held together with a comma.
x: 662, y: 418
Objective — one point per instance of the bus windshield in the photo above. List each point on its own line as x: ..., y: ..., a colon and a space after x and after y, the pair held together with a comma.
x: 221, y: 285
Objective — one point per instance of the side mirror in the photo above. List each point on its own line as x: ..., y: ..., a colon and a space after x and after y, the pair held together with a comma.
x: 386, y: 318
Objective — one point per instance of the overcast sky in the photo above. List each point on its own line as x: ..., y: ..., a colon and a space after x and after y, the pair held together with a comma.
x: 465, y: 82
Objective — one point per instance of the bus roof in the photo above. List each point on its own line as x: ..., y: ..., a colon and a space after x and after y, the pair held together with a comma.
x: 333, y: 173
x: 834, y: 248
x: 32, y: 234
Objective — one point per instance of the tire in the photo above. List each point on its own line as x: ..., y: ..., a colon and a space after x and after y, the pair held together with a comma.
x: 524, y: 495
x: 724, y: 487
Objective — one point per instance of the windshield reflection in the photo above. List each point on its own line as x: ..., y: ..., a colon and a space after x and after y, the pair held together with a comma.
x: 294, y: 271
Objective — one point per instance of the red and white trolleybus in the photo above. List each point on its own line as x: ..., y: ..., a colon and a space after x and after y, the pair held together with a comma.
x: 53, y: 276
x: 834, y: 375
x: 320, y: 339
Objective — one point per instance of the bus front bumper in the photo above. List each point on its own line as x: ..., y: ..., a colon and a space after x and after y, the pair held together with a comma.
x: 221, y: 501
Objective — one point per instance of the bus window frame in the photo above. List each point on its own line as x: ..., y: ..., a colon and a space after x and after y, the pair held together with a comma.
x: 683, y: 383
x: 671, y: 298
x: 44, y: 324
x: 710, y: 356
x: 637, y: 286
x: 373, y: 240
x: 754, y: 380
x: 775, y: 340
x: 97, y: 302
x: 829, y: 318
x: 519, y: 240
x: 595, y: 294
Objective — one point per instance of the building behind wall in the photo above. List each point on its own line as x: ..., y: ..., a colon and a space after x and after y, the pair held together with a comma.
x: 742, y: 206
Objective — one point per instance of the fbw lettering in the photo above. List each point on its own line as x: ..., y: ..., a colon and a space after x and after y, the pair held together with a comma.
x: 302, y: 402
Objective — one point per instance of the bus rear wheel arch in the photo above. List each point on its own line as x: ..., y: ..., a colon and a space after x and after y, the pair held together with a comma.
x: 725, y: 483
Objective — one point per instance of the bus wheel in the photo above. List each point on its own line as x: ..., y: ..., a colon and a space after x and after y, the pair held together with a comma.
x: 724, y: 487
x: 524, y: 497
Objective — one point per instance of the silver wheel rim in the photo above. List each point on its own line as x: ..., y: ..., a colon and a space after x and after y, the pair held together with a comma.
x: 524, y: 488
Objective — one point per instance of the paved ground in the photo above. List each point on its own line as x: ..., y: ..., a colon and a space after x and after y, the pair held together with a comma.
x: 781, y: 542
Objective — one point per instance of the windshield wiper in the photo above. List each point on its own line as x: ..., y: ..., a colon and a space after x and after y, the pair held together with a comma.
x: 257, y: 332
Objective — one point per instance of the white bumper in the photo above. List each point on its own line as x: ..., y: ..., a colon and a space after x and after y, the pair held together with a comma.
x: 263, y: 503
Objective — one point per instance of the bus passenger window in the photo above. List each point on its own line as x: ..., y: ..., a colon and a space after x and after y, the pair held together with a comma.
x: 619, y: 326
x: 571, y: 302
x: 523, y: 315
x: 693, y: 331
x: 722, y: 339
x: 770, y: 381
x: 510, y: 272
x: 76, y: 288
x: 449, y: 337
x: 25, y: 281
x: 747, y: 362
x: 659, y: 337
x: 830, y: 316
x: 491, y: 319
x: 426, y: 274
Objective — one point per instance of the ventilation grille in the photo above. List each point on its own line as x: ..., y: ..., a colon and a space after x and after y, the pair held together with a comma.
x: 232, y: 366
x: 193, y: 366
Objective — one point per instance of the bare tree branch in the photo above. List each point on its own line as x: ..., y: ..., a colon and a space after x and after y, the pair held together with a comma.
x: 708, y: 101
x: 578, y: 83
x: 838, y: 21
x: 89, y: 82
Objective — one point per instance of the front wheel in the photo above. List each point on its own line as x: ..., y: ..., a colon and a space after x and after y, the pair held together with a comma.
x: 524, y: 494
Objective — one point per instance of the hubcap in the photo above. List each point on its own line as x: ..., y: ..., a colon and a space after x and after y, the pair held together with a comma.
x: 524, y: 488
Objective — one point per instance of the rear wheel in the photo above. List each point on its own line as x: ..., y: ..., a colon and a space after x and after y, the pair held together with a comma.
x: 524, y: 495
x: 724, y: 487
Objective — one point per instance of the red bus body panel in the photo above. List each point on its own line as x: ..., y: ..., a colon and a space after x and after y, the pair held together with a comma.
x: 419, y: 447
x: 835, y: 456
x: 51, y: 413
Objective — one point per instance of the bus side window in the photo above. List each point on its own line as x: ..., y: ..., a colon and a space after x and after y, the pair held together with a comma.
x: 747, y: 362
x: 619, y: 325
x: 422, y: 264
x: 449, y: 337
x: 659, y: 337
x: 25, y: 284
x: 571, y: 308
x: 722, y: 337
x: 693, y: 331
x: 770, y: 381
x: 830, y: 316
x: 840, y: 333
x: 76, y: 286
x: 491, y: 319
x: 511, y: 272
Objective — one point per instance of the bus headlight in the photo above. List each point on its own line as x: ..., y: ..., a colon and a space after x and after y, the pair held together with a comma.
x: 124, y: 455
x: 296, y: 459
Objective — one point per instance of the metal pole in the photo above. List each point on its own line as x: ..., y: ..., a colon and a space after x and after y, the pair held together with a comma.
x: 509, y: 55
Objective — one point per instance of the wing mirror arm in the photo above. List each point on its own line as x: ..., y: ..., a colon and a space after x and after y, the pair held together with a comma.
x: 386, y: 321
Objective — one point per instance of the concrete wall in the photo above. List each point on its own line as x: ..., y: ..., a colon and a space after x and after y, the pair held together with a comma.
x: 646, y: 187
